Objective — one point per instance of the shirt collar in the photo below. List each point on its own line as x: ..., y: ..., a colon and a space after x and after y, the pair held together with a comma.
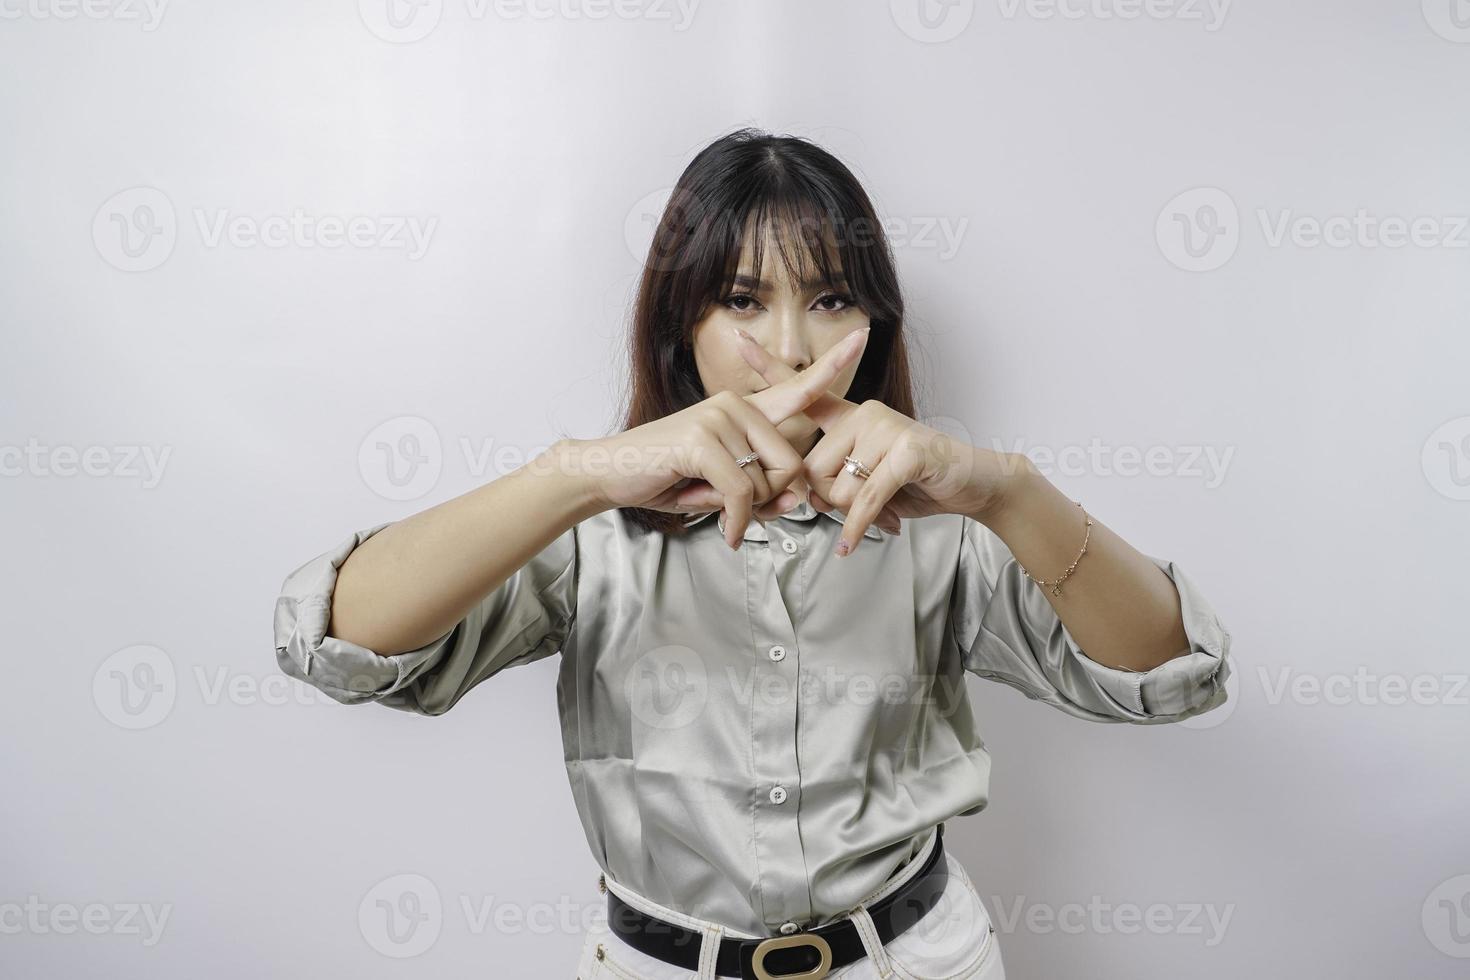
x: 803, y: 511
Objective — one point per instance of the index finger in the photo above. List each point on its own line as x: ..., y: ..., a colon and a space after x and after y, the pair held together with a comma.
x: 828, y: 409
x: 804, y: 389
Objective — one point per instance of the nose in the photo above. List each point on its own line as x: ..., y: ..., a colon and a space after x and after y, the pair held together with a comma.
x: 790, y: 342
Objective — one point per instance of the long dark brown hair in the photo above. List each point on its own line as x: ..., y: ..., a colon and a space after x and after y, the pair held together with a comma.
x: 752, y: 181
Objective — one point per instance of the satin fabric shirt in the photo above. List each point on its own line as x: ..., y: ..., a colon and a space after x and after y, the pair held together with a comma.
x: 761, y: 737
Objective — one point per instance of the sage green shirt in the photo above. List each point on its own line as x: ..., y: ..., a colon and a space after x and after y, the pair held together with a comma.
x: 762, y: 737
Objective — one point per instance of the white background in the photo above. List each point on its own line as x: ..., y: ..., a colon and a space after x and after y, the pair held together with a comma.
x: 1326, y: 818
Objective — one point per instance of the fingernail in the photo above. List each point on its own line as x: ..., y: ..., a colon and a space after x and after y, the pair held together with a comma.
x: 842, y: 548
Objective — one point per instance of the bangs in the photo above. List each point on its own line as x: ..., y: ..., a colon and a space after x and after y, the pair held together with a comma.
x: 808, y: 243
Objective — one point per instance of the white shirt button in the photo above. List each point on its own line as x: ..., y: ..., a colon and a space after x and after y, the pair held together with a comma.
x: 778, y: 794
x: 788, y: 546
x: 787, y: 928
x: 778, y: 653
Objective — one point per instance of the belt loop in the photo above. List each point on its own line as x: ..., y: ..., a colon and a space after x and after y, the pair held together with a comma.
x: 871, y: 942
x: 709, y: 952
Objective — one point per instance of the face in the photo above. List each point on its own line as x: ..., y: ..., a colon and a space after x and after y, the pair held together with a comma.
x: 794, y: 322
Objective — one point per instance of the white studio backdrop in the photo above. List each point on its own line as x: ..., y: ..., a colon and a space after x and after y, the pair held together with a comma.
x: 274, y: 272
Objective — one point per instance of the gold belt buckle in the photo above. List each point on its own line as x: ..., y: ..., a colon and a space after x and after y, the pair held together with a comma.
x: 757, y: 961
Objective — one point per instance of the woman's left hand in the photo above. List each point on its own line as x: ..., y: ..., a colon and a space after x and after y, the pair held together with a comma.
x: 916, y: 470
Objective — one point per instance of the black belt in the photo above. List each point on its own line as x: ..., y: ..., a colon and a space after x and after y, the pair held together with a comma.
x: 799, y: 956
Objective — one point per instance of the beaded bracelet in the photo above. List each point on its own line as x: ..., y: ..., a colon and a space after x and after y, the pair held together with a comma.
x: 1056, y: 587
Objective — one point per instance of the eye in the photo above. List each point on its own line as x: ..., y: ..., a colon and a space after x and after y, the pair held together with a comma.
x: 729, y: 302
x: 842, y: 298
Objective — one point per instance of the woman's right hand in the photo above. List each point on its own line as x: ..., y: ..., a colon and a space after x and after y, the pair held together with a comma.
x: 685, y: 462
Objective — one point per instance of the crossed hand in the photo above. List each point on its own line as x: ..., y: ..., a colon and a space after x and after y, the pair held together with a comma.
x: 903, y: 468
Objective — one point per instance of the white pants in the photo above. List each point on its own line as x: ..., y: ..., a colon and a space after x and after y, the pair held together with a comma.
x: 954, y: 941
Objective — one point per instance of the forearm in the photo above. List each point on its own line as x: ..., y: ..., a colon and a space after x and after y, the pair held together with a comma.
x: 1119, y: 606
x: 410, y: 583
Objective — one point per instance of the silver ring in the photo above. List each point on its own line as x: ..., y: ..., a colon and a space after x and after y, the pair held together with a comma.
x: 856, y: 467
x: 747, y: 459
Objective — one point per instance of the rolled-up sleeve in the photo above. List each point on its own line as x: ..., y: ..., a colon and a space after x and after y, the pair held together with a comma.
x: 1007, y: 631
x: 526, y: 618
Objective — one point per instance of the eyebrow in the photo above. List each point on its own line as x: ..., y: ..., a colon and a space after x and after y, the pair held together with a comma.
x: 741, y: 279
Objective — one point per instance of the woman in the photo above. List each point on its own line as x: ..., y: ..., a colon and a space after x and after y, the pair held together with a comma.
x: 764, y: 716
